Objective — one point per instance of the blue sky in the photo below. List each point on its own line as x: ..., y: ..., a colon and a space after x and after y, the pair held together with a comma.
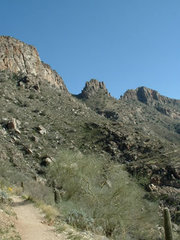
x: 125, y: 43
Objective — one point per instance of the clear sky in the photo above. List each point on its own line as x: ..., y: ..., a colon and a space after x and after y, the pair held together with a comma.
x: 125, y: 43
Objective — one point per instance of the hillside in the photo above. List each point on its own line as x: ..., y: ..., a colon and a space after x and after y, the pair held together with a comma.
x: 143, y: 107
x: 39, y: 119
x: 155, y: 118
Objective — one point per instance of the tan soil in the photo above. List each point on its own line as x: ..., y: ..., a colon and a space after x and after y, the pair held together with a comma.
x: 30, y: 224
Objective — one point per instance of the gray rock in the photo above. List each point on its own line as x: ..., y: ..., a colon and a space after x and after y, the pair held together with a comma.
x: 41, y: 130
x: 13, y: 125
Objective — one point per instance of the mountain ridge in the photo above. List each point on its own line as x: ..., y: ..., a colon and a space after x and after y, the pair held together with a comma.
x: 18, y: 56
x: 39, y: 118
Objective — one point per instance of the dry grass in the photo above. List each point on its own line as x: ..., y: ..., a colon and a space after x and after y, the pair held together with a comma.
x: 49, y: 211
x: 7, y: 217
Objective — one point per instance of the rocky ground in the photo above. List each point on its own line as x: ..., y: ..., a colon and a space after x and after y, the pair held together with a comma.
x: 39, y: 118
x: 151, y: 144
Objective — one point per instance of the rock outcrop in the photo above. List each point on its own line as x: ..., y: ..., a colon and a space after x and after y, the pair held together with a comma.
x: 143, y: 94
x: 19, y: 57
x: 147, y: 95
x: 151, y: 97
x: 93, y: 87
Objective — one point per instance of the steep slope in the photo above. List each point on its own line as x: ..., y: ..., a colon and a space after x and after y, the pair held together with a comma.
x: 155, y: 119
x: 39, y: 118
x: 143, y: 107
x: 38, y: 123
x: 165, y: 105
x: 19, y: 57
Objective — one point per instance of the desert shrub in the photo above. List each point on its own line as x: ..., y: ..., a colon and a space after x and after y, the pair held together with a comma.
x: 3, y: 197
x: 80, y: 219
x: 38, y: 191
x: 177, y: 128
x: 49, y: 211
x: 100, y: 194
x: 8, y: 175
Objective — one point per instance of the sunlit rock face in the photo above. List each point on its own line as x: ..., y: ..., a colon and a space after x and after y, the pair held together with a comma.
x: 17, y: 56
x: 94, y: 87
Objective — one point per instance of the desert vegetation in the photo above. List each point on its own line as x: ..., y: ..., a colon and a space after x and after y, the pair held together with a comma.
x: 98, y: 195
x: 90, y: 184
x: 7, y: 216
x: 94, y: 194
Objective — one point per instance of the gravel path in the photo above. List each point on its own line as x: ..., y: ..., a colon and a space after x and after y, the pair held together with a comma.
x: 30, y: 224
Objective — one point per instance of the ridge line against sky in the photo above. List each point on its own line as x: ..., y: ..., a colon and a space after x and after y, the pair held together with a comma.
x: 126, y: 44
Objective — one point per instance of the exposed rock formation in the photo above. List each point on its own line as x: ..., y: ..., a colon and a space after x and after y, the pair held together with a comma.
x: 153, y: 98
x: 92, y: 87
x: 147, y: 95
x: 13, y: 125
x: 17, y: 56
x: 144, y: 95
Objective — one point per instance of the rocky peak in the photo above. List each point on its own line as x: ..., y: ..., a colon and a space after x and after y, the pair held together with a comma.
x: 93, y: 87
x: 19, y: 57
x: 165, y: 105
x: 148, y: 96
x: 143, y: 94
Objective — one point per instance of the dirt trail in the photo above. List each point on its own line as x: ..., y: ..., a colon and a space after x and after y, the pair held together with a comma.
x: 29, y: 222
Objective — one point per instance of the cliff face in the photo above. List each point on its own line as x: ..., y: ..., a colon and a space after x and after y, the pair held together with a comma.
x: 17, y: 56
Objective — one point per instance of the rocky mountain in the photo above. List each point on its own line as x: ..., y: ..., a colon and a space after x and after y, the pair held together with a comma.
x: 154, y: 118
x: 93, y: 87
x: 144, y: 107
x: 17, y: 56
x: 39, y: 118
x: 165, y: 105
